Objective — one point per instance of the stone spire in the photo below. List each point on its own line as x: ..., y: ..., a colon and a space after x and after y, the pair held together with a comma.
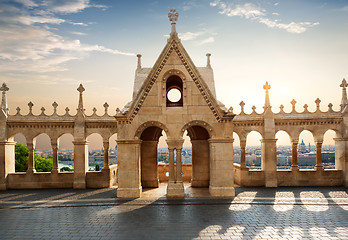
x: 81, y: 89
x: 173, y: 18
x: 139, y: 61
x: 4, y: 89
x: 208, y: 60
x: 267, y: 87
x: 344, y: 100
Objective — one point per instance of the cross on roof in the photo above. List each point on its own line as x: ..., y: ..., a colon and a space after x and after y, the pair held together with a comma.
x: 173, y: 15
x: 81, y: 88
x: 344, y: 83
x: 267, y: 87
x: 4, y: 88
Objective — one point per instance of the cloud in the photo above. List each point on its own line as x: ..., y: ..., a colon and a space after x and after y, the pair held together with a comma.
x: 207, y: 40
x: 190, y: 35
x: 69, y: 6
x: 258, y: 14
x: 276, y: 14
x: 29, y: 43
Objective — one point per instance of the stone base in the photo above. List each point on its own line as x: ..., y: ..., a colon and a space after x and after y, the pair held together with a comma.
x: 129, y: 192
x: 3, y: 186
x: 150, y: 184
x: 79, y: 185
x: 271, y: 183
x: 222, y: 191
x: 175, y: 190
x: 200, y: 183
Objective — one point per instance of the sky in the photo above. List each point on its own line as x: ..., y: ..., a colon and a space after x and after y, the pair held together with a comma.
x: 47, y: 48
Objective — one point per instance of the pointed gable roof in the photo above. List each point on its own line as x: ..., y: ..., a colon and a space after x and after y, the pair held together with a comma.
x: 174, y: 44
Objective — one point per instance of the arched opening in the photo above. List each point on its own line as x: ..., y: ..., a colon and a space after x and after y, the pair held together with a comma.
x: 113, y: 150
x: 21, y: 153
x: 236, y: 148
x: 95, y: 152
x: 174, y: 91
x: 43, y: 153
x: 306, y: 151
x: 253, y: 150
x: 328, y: 150
x: 66, y: 153
x: 284, y: 150
x: 150, y: 156
x: 200, y: 156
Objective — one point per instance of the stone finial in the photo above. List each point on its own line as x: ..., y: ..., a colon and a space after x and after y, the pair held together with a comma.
x: 230, y: 110
x: 139, y: 61
x: 118, y: 111
x: 317, y: 102
x: 173, y: 18
x: 344, y: 100
x: 106, y: 106
x: 81, y: 89
x: 30, y: 104
x: 4, y: 89
x: 281, y: 107
x: 18, y: 109
x: 54, y: 105
x: 305, y: 107
x: 267, y: 87
x: 43, y: 111
x: 208, y: 60
x: 293, y: 103
x: 242, y: 104
x: 330, y: 107
x: 94, y: 111
x: 254, y: 109
x: 67, y: 110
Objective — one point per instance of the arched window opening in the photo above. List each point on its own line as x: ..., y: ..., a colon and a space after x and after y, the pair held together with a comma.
x: 21, y: 153
x: 328, y: 150
x: 66, y: 153
x: 306, y: 151
x: 253, y: 151
x: 95, y: 152
x: 284, y: 150
x: 236, y: 148
x: 43, y: 153
x: 113, y: 149
x: 174, y: 91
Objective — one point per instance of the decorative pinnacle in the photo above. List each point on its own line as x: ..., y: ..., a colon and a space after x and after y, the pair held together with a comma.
x: 208, y: 59
x: 139, y: 61
x: 344, y: 83
x: 81, y: 89
x: 173, y: 15
x: 4, y: 88
x: 267, y: 87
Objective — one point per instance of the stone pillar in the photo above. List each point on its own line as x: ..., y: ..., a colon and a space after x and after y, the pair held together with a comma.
x: 269, y: 161
x: 149, y: 164
x: 7, y: 162
x: 175, y: 188
x: 340, y: 152
x: 129, y: 174
x: 31, y: 162
x: 221, y: 168
x: 319, y: 164
x: 200, y: 163
x: 294, y: 165
x: 178, y: 165
x: 171, y: 165
x: 80, y: 164
x: 54, y: 144
x: 242, y: 154
x: 106, y: 155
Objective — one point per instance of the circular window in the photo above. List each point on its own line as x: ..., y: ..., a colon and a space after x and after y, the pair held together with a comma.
x: 174, y: 95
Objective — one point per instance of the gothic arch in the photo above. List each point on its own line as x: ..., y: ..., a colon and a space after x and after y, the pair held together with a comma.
x: 147, y: 124
x: 172, y: 72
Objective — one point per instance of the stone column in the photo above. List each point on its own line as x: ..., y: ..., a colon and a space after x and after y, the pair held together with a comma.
x: 171, y: 165
x: 242, y: 154
x: 319, y: 164
x: 54, y: 144
x: 178, y: 166
x: 200, y: 163
x: 106, y: 155
x: 31, y: 162
x: 80, y: 163
x: 7, y: 162
x: 221, y: 168
x: 129, y: 174
x: 340, y: 144
x: 175, y: 189
x: 294, y: 166
x: 269, y: 161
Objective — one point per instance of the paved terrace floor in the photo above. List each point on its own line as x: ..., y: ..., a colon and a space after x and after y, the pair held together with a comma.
x: 255, y: 213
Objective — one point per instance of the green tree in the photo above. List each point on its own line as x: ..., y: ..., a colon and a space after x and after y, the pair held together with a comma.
x: 97, y: 167
x: 66, y: 169
x: 21, y: 158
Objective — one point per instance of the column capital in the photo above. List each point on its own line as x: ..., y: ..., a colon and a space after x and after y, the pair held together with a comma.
x: 175, y: 143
